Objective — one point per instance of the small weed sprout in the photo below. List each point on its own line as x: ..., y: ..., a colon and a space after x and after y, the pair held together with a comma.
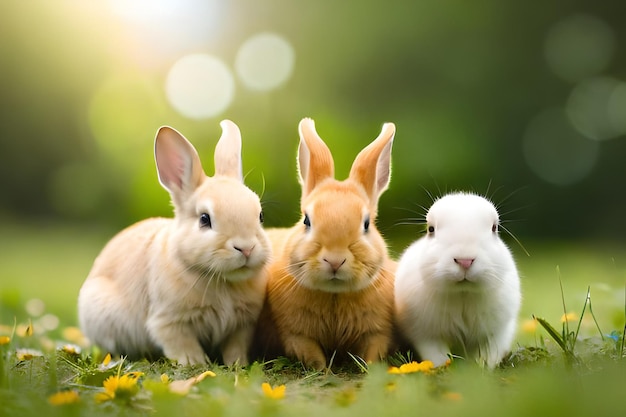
x: 566, y: 339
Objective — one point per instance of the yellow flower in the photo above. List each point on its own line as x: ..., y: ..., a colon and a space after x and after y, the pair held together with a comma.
x: 452, y: 396
x: 408, y: 368
x: 27, y: 354
x: 64, y: 397
x: 121, y: 387
x: 204, y: 375
x: 104, y: 396
x: 571, y: 316
x: 345, y: 397
x: 5, y: 340
x: 74, y: 335
x: 29, y: 329
x: 71, y: 349
x: 106, y: 359
x: 529, y: 326
x: 275, y: 393
x: 24, y: 330
x: 182, y: 387
x: 107, y: 363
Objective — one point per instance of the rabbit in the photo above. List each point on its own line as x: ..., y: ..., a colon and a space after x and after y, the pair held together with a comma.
x: 331, y: 281
x: 457, y: 289
x: 189, y: 286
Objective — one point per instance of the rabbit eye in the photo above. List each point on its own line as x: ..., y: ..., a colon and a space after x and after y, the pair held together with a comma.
x: 494, y: 228
x: 431, y: 230
x: 261, y: 218
x: 205, y: 220
x: 307, y: 222
x: 366, y: 224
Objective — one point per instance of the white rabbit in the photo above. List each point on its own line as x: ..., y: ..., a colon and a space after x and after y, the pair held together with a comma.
x: 187, y: 286
x: 457, y: 289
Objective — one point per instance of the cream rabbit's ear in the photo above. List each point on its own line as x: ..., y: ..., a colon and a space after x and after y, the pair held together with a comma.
x: 228, y: 151
x: 372, y: 166
x: 315, y: 162
x: 177, y: 161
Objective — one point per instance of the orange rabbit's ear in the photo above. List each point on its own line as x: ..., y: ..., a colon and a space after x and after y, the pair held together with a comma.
x: 178, y: 164
x: 372, y: 166
x: 315, y: 162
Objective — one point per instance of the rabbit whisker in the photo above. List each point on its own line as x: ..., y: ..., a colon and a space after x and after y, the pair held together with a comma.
x: 515, y: 238
x: 421, y: 213
x: 409, y: 222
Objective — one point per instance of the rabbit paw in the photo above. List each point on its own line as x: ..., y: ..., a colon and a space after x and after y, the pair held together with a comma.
x: 306, y: 350
x: 376, y: 348
x: 186, y: 354
x: 435, y: 351
x: 235, y: 347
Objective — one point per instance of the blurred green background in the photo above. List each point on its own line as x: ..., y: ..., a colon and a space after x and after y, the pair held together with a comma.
x: 522, y: 101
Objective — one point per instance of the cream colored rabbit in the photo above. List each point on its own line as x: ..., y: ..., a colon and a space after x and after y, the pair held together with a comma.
x: 191, y: 285
x: 457, y: 288
x: 331, y: 284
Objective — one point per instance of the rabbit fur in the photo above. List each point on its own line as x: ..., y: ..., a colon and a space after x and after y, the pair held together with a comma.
x: 189, y: 286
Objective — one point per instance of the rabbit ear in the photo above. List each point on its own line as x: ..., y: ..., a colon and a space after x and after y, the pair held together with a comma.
x: 178, y: 164
x: 372, y: 166
x: 315, y: 162
x: 228, y: 151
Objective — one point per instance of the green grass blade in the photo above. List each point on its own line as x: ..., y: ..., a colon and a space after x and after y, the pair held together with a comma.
x: 621, y: 351
x: 593, y: 315
x: 553, y: 333
x: 582, y: 313
x: 360, y: 362
x: 565, y: 323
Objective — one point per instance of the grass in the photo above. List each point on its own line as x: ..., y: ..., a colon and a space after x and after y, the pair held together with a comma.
x: 570, y: 368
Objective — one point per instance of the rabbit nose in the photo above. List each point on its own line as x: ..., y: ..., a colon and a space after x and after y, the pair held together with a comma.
x: 245, y: 251
x: 335, y: 264
x: 465, y: 263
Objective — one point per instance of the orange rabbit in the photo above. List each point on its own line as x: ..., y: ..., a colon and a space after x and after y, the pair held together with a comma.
x: 331, y: 282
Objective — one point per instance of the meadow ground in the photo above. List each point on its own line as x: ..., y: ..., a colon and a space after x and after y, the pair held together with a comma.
x: 46, y: 369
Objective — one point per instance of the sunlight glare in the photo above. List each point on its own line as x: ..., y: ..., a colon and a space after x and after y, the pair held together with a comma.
x: 147, y: 10
x: 164, y: 29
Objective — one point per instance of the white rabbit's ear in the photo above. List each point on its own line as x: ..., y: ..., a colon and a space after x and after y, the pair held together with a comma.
x: 315, y: 162
x: 228, y: 151
x: 372, y: 166
x: 177, y: 161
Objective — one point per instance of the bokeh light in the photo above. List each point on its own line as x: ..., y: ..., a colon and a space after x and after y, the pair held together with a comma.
x: 35, y: 307
x: 265, y: 61
x: 579, y: 46
x: 200, y: 86
x: 617, y: 108
x: 597, y: 108
x: 557, y: 152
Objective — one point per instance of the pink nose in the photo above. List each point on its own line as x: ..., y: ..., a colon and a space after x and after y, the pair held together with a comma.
x: 335, y: 264
x: 245, y: 251
x: 464, y: 263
